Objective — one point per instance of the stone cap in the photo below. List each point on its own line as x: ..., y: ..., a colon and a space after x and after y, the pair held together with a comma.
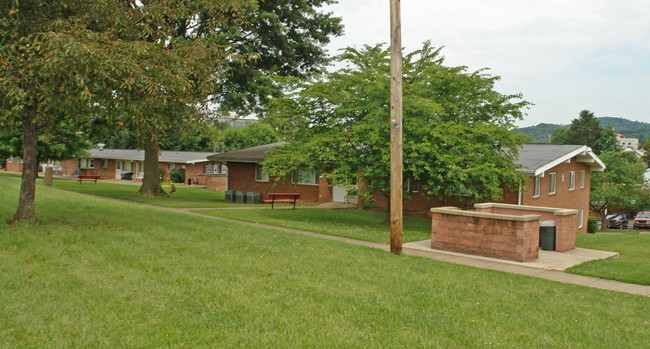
x: 554, y: 210
x: 506, y: 217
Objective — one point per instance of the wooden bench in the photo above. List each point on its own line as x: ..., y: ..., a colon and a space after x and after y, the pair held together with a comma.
x: 82, y: 178
x: 282, y: 198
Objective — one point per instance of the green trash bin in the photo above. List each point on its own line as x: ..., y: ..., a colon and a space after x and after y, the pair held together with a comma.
x: 547, y: 235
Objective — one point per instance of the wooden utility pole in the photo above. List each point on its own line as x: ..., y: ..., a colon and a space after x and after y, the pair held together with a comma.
x: 395, y: 128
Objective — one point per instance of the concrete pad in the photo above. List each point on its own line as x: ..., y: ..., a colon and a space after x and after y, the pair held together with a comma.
x: 549, y: 260
x: 621, y: 287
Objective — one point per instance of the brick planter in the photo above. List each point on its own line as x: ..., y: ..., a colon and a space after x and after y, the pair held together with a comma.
x: 513, y: 237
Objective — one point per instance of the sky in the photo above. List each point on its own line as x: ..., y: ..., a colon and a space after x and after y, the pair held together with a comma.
x: 562, y: 55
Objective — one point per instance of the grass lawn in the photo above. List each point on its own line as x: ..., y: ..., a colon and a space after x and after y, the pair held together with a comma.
x: 354, y: 224
x: 184, y: 197
x: 99, y: 273
x: 632, y: 266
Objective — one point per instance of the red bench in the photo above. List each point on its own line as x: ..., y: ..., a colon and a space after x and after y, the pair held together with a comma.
x: 82, y: 178
x: 282, y: 198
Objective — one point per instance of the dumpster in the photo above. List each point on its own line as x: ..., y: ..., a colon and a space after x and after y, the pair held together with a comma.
x: 547, y: 235
x: 230, y: 196
x: 240, y: 196
x: 252, y: 197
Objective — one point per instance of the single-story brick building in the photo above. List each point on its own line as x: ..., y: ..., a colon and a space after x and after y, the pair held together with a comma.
x: 559, y: 177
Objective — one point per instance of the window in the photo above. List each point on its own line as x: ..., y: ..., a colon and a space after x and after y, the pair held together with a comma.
x: 105, y: 163
x: 552, y: 183
x: 170, y: 165
x: 261, y: 174
x: 582, y: 179
x: 126, y: 166
x: 305, y: 176
x: 537, y: 186
x: 411, y: 185
x: 580, y: 218
x: 572, y: 180
x: 87, y: 163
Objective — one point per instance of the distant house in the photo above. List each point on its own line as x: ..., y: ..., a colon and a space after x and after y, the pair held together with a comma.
x: 627, y: 142
x: 113, y: 163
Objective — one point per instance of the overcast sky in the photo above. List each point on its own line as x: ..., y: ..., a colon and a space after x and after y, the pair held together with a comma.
x: 562, y: 55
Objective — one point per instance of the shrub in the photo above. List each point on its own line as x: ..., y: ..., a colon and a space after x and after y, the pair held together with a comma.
x: 177, y: 175
x: 592, y: 225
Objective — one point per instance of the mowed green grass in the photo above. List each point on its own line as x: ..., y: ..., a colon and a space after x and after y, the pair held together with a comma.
x: 633, y: 264
x: 99, y: 273
x: 354, y: 224
x: 184, y: 197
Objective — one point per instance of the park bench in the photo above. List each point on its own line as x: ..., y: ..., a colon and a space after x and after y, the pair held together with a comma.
x: 282, y: 198
x: 82, y: 178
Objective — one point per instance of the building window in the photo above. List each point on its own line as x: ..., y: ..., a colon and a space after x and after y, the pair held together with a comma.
x: 572, y: 180
x: 580, y: 218
x: 537, y: 186
x: 105, y: 163
x: 411, y: 185
x: 552, y: 183
x: 582, y: 178
x: 127, y: 166
x: 87, y: 163
x: 305, y: 176
x: 261, y: 174
x: 170, y: 165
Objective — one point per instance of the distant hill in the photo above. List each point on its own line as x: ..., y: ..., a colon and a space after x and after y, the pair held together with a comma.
x: 629, y: 128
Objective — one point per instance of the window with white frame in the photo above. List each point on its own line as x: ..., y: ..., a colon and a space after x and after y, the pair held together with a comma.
x: 572, y: 180
x: 105, y: 163
x: 582, y: 178
x: 537, y: 190
x: 580, y: 218
x: 87, y: 163
x: 552, y: 183
x: 305, y: 176
x: 261, y: 174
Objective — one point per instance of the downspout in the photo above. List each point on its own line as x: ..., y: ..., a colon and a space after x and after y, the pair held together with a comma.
x: 519, y: 196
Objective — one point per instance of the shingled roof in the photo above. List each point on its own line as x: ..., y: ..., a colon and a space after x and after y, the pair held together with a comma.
x: 253, y: 155
x: 536, y: 158
x: 182, y: 157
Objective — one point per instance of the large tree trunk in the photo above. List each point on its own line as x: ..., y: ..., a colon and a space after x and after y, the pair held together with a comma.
x: 26, y: 211
x: 150, y: 181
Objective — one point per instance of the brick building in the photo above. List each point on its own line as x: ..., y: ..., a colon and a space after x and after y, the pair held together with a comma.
x: 559, y: 177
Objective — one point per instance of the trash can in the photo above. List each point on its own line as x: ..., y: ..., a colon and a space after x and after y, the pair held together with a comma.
x: 547, y: 235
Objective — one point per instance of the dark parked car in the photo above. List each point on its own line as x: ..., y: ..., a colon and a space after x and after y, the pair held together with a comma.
x: 642, y: 220
x: 616, y: 222
x: 127, y: 175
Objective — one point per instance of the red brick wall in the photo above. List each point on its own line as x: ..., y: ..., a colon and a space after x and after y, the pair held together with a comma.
x: 69, y: 166
x: 576, y: 199
x: 216, y: 182
x: 14, y: 167
x: 107, y: 172
x: 324, y: 191
x: 499, y: 238
x: 242, y: 175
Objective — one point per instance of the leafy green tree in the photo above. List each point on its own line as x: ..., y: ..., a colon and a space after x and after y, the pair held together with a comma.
x: 234, y: 138
x: 586, y: 130
x: 458, y: 138
x: 58, y: 65
x: 645, y: 147
x: 287, y: 38
x: 620, y: 187
x: 560, y: 135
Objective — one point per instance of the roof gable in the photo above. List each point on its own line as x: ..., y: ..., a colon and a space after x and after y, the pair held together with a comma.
x: 536, y: 158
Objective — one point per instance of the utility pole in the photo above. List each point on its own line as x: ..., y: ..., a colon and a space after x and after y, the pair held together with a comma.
x: 396, y: 218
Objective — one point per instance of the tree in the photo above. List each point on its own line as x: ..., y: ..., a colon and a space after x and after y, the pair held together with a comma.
x: 645, y: 147
x: 560, y: 135
x: 287, y: 37
x: 586, y: 130
x: 57, y: 66
x: 78, y: 61
x: 620, y: 188
x: 234, y: 138
x: 458, y: 138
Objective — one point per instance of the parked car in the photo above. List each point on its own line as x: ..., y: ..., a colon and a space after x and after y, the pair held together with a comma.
x: 616, y: 222
x: 642, y: 220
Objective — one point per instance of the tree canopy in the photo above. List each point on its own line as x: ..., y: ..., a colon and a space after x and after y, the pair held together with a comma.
x: 458, y: 138
x: 234, y: 138
x: 586, y: 130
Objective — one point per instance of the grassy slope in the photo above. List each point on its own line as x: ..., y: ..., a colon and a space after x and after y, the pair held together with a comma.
x: 184, y: 197
x: 354, y: 224
x: 101, y: 273
x: 633, y: 264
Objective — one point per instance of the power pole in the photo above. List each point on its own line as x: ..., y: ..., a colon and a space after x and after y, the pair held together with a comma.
x: 396, y: 218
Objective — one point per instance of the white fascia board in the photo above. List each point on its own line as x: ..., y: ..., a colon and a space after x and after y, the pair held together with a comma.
x: 584, y: 150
